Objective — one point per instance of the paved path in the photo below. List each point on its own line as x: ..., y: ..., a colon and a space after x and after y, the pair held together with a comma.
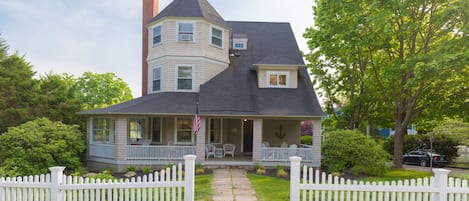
x: 232, y: 185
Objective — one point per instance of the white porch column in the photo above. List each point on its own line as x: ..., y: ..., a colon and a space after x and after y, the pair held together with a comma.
x: 121, y: 138
x: 200, y: 139
x: 317, y: 142
x: 257, y: 140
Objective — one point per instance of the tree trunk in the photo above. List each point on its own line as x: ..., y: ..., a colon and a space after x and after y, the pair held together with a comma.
x: 398, y: 146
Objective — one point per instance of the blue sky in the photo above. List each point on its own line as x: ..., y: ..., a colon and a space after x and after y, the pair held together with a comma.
x: 76, y: 36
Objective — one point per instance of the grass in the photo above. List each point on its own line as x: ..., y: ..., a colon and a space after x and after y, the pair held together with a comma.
x: 270, y: 188
x: 203, y: 187
x: 398, y: 174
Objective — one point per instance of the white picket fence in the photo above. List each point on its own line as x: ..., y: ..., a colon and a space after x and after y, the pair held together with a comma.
x: 318, y: 186
x: 166, y: 185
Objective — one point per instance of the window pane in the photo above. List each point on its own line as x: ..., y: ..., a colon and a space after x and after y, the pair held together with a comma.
x: 156, y: 85
x: 217, y: 41
x: 102, y: 130
x: 185, y: 28
x: 273, y: 79
x: 239, y: 45
x: 282, y: 80
x: 137, y: 129
x: 156, y: 73
x: 184, y: 72
x: 185, y: 84
x: 184, y: 136
x: 217, y: 32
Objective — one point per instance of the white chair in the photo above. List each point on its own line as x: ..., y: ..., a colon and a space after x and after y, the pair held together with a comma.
x: 210, y: 150
x: 229, y: 149
x: 284, y: 145
x: 265, y: 144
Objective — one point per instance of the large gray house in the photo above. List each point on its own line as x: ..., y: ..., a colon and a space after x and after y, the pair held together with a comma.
x: 248, y: 78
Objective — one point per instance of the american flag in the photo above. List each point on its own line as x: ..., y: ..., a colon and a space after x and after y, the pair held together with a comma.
x: 196, y: 125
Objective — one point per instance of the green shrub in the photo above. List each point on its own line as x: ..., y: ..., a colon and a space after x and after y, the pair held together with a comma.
x: 105, y: 175
x: 33, y: 147
x: 346, y: 150
x: 307, y: 139
x: 131, y: 168
x: 146, y: 170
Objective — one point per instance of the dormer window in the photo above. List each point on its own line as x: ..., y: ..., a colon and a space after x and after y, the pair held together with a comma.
x: 157, y: 35
x: 185, y: 31
x: 240, y: 43
x: 217, y: 37
x: 278, y: 78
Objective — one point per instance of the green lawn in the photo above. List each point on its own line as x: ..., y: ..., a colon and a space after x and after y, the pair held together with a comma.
x: 270, y: 188
x: 399, y: 174
x: 203, y: 187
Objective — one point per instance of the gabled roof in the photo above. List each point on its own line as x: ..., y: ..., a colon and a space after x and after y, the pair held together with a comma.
x: 191, y: 8
x: 235, y: 91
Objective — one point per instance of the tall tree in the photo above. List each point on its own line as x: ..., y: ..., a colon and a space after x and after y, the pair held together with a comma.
x: 101, y: 90
x: 16, y: 88
x: 57, y: 99
x: 409, y: 54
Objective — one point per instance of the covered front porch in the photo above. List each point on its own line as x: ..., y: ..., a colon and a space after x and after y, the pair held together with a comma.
x: 155, y: 141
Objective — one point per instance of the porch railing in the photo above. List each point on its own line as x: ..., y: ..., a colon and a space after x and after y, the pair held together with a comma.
x: 102, y: 150
x: 283, y: 154
x: 147, y: 152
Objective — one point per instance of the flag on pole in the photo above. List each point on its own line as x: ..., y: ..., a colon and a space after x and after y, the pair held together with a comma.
x: 196, y: 125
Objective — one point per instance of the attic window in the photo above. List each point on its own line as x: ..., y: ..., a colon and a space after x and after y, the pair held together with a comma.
x: 277, y: 79
x: 240, y: 43
x: 185, y: 31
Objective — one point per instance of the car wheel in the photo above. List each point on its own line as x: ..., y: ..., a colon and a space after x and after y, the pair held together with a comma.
x: 423, y: 163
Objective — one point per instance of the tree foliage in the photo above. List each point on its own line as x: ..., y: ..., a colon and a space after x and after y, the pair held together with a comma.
x: 34, y: 146
x: 391, y: 61
x: 347, y: 150
x: 456, y: 129
x: 101, y: 90
x: 16, y: 88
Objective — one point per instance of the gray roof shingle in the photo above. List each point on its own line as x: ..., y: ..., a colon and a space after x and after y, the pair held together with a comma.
x: 235, y: 91
x: 191, y: 8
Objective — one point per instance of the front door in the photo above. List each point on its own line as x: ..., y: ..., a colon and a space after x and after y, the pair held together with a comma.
x: 247, y: 135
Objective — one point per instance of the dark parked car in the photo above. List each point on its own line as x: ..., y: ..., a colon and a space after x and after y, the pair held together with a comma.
x: 422, y: 158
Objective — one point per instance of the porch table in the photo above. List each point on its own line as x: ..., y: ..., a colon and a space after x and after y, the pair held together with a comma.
x: 219, y: 153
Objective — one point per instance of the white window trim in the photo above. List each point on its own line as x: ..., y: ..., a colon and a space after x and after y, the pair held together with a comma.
x: 152, y: 79
x: 194, y: 28
x: 112, y: 131
x: 161, y: 130
x: 210, y: 129
x: 151, y: 35
x: 176, y: 133
x: 240, y: 40
x: 222, y: 37
x: 177, y: 76
x: 287, y: 81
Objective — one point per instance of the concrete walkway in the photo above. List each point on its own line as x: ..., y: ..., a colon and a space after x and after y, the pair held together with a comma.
x: 232, y: 185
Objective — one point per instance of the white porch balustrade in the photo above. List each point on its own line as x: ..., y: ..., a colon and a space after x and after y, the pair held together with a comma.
x: 147, y: 152
x: 283, y: 154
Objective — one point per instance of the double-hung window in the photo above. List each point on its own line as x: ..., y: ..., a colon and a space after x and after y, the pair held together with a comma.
x: 184, y: 77
x: 137, y: 130
x: 157, y: 35
x: 277, y: 78
x: 156, y: 80
x: 185, y: 31
x: 103, y: 130
x: 217, y: 37
x: 184, y: 131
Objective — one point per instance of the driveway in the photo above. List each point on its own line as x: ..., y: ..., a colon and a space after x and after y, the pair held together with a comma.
x: 452, y: 173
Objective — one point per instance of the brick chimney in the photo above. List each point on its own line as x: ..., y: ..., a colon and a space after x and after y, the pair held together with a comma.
x: 150, y: 10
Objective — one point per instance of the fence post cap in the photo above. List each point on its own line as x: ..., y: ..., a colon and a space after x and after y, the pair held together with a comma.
x: 295, y: 159
x: 441, y: 171
x: 190, y: 157
x: 57, y: 168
